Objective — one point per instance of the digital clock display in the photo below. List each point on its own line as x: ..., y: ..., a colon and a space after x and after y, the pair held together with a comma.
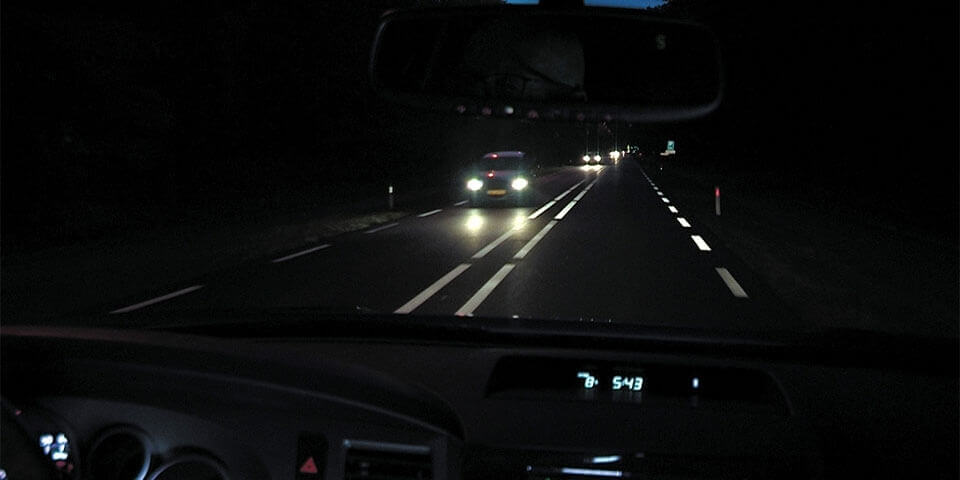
x: 542, y: 378
x: 589, y: 381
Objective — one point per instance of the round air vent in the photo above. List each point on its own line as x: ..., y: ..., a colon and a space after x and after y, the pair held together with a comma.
x: 119, y: 453
x: 190, y: 467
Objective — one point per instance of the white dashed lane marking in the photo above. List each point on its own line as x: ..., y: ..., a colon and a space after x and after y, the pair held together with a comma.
x: 384, y: 227
x: 731, y: 283
x: 298, y: 254
x: 431, y: 212
x: 159, y: 299
x: 701, y: 244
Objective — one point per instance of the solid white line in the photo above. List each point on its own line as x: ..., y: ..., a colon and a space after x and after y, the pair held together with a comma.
x: 564, y: 194
x: 462, y: 202
x: 683, y: 222
x: 659, y: 194
x: 533, y: 241
x: 431, y: 212
x: 566, y: 209
x: 485, y: 290
x: 673, y: 209
x: 485, y: 250
x: 158, y: 299
x: 701, y: 244
x: 580, y: 195
x: 665, y: 199
x: 732, y: 284
x: 375, y: 230
x: 432, y: 289
x: 542, y: 209
x: 295, y: 255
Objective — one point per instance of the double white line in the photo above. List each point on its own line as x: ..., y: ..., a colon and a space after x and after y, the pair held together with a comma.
x: 474, y: 301
x: 553, y: 202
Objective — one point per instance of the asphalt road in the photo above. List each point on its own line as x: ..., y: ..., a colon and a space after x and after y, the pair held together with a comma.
x: 594, y: 244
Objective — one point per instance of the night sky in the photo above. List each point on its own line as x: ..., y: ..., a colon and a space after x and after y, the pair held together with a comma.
x: 120, y: 116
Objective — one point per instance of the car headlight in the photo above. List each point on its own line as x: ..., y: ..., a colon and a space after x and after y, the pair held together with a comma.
x: 519, y: 183
x: 586, y: 158
x: 474, y: 184
x: 596, y: 157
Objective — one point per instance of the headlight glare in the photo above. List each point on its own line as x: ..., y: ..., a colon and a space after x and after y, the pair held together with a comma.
x: 474, y: 184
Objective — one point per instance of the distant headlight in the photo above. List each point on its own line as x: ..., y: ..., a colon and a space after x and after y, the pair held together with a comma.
x: 596, y: 157
x: 519, y: 183
x: 586, y: 158
x: 474, y: 184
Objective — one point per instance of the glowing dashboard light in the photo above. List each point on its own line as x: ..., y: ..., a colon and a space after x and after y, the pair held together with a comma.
x: 591, y: 472
x: 519, y: 183
x: 606, y: 459
x: 474, y: 184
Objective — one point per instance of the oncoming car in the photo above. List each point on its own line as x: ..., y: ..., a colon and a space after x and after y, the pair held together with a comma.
x: 499, y: 177
x: 591, y: 158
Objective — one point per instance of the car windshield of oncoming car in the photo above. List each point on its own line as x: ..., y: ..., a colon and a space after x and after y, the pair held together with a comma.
x: 231, y: 157
x: 502, y: 162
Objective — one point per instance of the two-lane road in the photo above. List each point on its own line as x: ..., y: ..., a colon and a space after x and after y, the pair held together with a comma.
x: 599, y: 244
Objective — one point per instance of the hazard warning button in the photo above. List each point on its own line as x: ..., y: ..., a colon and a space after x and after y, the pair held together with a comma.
x: 311, y: 457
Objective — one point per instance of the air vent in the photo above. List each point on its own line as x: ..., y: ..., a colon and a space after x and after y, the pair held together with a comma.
x: 387, y: 461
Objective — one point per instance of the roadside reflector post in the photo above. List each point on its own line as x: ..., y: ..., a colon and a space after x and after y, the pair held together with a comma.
x: 390, y: 197
x: 716, y: 196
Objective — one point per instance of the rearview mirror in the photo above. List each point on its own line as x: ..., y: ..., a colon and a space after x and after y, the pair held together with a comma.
x: 539, y: 63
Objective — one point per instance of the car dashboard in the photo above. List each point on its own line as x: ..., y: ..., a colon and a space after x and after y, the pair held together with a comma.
x: 109, y: 403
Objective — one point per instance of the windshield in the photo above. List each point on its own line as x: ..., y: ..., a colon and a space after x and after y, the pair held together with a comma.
x: 500, y: 163
x: 169, y: 159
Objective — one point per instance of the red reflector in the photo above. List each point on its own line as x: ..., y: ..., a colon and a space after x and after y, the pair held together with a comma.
x: 716, y: 192
x: 489, y: 174
x: 309, y: 466
x: 494, y: 155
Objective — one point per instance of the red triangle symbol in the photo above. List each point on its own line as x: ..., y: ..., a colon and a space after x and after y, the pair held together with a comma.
x: 309, y: 466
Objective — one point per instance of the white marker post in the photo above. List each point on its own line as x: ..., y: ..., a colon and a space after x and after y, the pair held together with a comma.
x: 390, y: 197
x: 716, y: 196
